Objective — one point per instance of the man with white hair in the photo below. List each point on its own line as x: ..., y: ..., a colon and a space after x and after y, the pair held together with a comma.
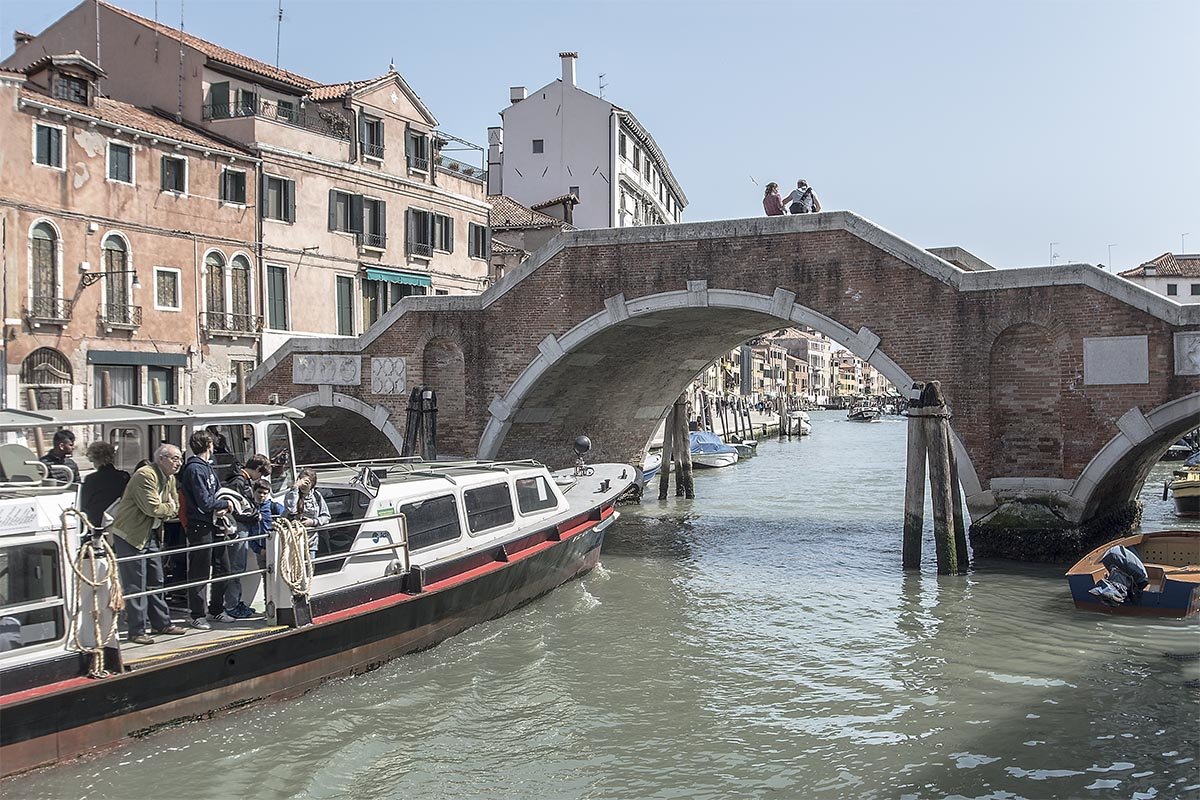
x: 802, y: 200
x: 149, y: 500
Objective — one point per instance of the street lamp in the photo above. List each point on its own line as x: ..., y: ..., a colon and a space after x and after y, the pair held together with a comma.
x: 90, y: 278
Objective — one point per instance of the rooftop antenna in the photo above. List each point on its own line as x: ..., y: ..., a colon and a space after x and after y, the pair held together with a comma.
x: 179, y: 116
x: 1053, y: 255
x: 98, y: 33
x: 155, y: 31
x: 278, y: 32
x: 1110, y: 264
x: 603, y: 85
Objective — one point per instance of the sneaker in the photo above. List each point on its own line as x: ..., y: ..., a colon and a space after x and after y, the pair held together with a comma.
x: 242, y: 611
x: 200, y: 623
x: 141, y: 638
x: 224, y: 616
x: 171, y: 630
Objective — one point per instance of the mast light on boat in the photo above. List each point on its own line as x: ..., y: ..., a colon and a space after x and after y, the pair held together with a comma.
x: 583, y: 446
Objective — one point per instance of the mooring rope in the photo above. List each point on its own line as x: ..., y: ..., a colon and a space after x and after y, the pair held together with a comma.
x: 295, y: 559
x: 93, y: 551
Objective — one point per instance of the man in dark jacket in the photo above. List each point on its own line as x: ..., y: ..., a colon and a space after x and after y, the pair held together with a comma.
x: 198, y: 504
x: 60, y: 452
x: 247, y: 524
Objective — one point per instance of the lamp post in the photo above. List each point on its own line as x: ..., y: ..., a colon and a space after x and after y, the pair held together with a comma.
x: 92, y: 278
x: 1110, y: 264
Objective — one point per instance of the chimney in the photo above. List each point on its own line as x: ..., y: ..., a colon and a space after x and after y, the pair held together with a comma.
x: 21, y: 38
x: 516, y: 94
x: 495, y: 174
x: 568, y: 67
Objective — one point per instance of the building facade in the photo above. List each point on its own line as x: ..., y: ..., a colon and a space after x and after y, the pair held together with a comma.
x: 560, y: 141
x: 1174, y: 276
x: 110, y: 215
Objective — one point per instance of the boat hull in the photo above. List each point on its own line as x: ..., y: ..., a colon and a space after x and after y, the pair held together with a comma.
x: 1174, y: 588
x: 714, y: 460
x: 49, y: 724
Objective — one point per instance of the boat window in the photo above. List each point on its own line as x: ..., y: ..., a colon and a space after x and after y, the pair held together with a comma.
x: 488, y: 507
x: 31, y: 604
x: 279, y: 448
x: 432, y: 521
x: 232, y: 445
x: 129, y: 446
x: 535, y: 494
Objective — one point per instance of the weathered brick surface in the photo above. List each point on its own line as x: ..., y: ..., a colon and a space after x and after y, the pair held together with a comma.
x: 1010, y: 360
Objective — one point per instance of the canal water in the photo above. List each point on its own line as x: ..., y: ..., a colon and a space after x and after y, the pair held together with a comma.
x: 759, y: 642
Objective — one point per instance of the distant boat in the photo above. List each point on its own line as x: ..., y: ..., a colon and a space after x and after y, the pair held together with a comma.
x: 1178, y: 451
x: 800, y: 423
x: 1184, y: 489
x: 709, y: 451
x: 650, y: 467
x: 863, y: 414
x: 1172, y: 565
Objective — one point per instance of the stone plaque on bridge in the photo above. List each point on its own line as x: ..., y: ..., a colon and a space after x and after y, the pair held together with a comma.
x: 327, y: 369
x: 389, y: 375
x: 1112, y: 360
x: 1187, y: 353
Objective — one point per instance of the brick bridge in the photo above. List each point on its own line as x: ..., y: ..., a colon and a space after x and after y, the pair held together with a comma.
x: 1066, y: 382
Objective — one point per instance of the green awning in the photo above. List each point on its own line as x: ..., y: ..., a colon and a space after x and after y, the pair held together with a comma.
x: 393, y: 276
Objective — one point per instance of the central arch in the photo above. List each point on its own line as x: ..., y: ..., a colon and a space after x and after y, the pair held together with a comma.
x: 614, y: 374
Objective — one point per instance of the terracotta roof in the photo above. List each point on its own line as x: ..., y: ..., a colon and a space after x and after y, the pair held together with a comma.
x: 508, y: 213
x: 331, y: 91
x: 1168, y: 265
x: 218, y: 53
x: 133, y: 118
x: 554, y: 201
x: 502, y: 248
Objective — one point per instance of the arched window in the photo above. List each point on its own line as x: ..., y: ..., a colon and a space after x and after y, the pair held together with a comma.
x: 48, y: 373
x: 214, y: 393
x: 45, y: 269
x: 214, y: 265
x: 115, y: 256
x: 239, y: 274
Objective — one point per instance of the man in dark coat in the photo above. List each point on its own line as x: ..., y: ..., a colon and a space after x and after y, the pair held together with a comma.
x: 198, y: 505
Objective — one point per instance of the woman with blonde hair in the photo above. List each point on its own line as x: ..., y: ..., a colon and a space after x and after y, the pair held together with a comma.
x: 772, y: 202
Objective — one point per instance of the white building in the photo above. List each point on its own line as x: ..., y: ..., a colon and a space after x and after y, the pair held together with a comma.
x: 560, y: 140
x: 1171, y: 275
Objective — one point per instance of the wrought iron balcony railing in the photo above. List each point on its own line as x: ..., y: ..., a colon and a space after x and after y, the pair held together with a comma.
x: 417, y: 162
x: 375, y: 241
x: 371, y: 149
x: 422, y: 249
x: 119, y: 315
x: 51, y: 309
x: 323, y: 121
x: 224, y: 323
x: 461, y: 169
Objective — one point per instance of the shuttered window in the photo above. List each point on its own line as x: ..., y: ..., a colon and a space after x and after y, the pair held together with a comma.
x: 277, y: 316
x: 345, y: 305
x: 48, y: 149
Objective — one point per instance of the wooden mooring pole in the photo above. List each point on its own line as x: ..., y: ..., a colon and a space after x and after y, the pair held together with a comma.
x: 684, y: 487
x: 914, y: 488
x: 668, y: 454
x: 930, y: 440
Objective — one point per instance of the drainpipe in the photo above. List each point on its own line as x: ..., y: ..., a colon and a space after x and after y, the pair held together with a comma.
x: 199, y: 333
x: 353, y: 127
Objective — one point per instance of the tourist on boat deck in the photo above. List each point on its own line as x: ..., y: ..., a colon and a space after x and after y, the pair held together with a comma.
x: 60, y: 452
x: 306, y: 505
x: 268, y: 510
x: 198, y: 506
x: 104, y: 486
x: 246, y: 523
x: 148, y: 501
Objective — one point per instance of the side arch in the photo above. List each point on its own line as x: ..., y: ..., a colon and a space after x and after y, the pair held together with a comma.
x: 1025, y: 417
x: 363, y: 431
x: 443, y: 367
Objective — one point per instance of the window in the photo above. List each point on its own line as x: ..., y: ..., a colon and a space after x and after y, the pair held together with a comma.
x: 166, y: 289
x: 371, y: 137
x: 214, y: 393
x: 279, y: 199
x: 247, y: 103
x: 218, y: 100
x: 345, y: 211
x: 432, y: 521
x: 420, y: 233
x: 115, y: 258
x: 443, y: 233
x: 174, y: 174
x: 214, y: 290
x: 120, y: 162
x: 233, y: 186
x: 122, y: 385
x: 279, y: 448
x: 161, y: 383
x: 48, y: 145
x: 380, y: 296
x: 481, y: 241
x: 45, y: 271
x: 232, y: 445
x: 345, y: 305
x: 637, y: 158
x: 1172, y: 289
x: 286, y: 110
x: 573, y: 190
x: 239, y: 285
x: 32, y: 610
x: 69, y: 87
x: 418, y: 151
x: 535, y: 494
x: 1195, y: 289
x: 277, y: 303
x: 539, y: 145
x: 622, y: 145
x: 488, y: 507
x: 374, y: 223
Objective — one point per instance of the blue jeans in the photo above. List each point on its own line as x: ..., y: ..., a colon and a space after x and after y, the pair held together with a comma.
x: 238, y: 549
x: 139, y: 576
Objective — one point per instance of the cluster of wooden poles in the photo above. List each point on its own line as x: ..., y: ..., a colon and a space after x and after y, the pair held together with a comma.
x: 420, y: 430
x: 930, y: 440
x: 734, y: 414
x: 677, y: 447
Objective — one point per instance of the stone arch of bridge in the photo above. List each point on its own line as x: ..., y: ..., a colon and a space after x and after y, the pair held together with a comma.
x: 615, y: 374
x: 1116, y: 474
x: 362, y: 430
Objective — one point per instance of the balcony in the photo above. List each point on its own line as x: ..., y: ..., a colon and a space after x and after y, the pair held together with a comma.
x: 372, y: 241
x: 460, y: 169
x: 418, y: 163
x: 420, y: 249
x: 371, y: 149
x: 323, y: 121
x: 233, y: 326
x: 118, y: 316
x: 49, y: 311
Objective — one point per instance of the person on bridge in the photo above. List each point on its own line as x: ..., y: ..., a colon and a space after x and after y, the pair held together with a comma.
x: 772, y: 201
x: 803, y: 200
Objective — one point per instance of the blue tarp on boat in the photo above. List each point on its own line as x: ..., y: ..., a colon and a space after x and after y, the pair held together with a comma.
x: 706, y: 442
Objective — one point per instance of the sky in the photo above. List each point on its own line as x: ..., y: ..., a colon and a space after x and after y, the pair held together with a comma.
x: 1000, y: 126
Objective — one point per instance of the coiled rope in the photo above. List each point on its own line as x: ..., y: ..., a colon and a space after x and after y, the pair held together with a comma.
x: 295, y: 559
x: 94, y: 551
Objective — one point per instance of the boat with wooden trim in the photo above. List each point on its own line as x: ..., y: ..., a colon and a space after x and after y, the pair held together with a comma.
x: 415, y: 553
x: 864, y: 413
x: 1184, y: 489
x: 1172, y: 562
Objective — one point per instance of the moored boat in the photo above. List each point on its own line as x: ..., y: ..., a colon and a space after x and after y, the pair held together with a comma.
x: 1184, y: 489
x: 1171, y: 560
x: 415, y: 552
x: 709, y: 451
x: 799, y: 423
x: 651, y: 465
